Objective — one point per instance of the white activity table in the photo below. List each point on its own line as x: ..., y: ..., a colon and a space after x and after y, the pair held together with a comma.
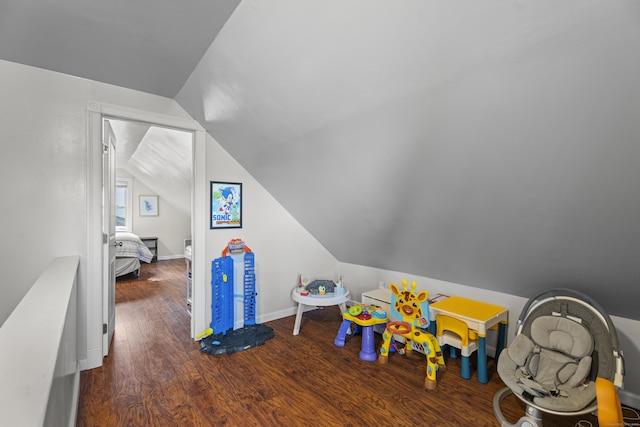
x: 317, y: 301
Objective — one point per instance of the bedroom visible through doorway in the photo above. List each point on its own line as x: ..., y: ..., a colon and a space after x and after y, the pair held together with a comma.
x: 152, y: 163
x: 98, y: 301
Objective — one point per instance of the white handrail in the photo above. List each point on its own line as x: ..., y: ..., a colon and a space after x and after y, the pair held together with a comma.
x: 39, y: 369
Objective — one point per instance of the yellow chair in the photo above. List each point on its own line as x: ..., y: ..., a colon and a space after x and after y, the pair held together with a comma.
x: 456, y: 334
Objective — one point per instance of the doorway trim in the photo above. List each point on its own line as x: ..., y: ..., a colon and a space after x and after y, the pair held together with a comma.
x: 96, y: 111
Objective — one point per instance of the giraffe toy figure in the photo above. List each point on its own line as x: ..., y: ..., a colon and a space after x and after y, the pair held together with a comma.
x: 414, y: 311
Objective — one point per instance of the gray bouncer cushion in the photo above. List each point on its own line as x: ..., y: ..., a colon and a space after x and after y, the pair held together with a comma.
x: 550, y: 367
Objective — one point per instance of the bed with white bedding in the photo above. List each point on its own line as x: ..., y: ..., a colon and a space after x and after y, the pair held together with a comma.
x: 130, y: 250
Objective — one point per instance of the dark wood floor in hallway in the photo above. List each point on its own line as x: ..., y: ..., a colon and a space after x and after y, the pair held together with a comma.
x: 156, y: 375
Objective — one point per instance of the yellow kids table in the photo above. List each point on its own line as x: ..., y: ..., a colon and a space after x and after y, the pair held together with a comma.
x: 479, y: 316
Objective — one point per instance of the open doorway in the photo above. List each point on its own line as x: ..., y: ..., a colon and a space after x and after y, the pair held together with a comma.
x: 153, y: 188
x: 97, y: 298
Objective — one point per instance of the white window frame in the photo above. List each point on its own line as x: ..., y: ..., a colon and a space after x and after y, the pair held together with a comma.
x: 127, y: 182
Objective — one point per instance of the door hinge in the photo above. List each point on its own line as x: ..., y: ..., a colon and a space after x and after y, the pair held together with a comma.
x: 104, y: 328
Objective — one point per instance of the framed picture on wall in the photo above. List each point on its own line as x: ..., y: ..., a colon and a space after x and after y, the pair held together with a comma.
x: 226, y: 204
x: 148, y: 205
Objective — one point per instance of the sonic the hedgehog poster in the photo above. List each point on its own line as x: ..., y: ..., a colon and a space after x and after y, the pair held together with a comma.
x: 226, y: 204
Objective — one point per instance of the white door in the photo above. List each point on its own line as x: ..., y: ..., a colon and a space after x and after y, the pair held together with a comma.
x: 109, y: 235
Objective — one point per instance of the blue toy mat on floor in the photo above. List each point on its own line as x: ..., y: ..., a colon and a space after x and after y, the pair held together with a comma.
x: 236, y: 340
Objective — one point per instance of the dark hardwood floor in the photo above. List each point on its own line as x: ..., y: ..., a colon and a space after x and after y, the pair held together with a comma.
x: 156, y: 375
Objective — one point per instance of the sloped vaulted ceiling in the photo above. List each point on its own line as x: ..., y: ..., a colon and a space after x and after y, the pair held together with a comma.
x: 490, y: 143
x: 147, y: 45
x: 159, y: 157
x: 494, y: 144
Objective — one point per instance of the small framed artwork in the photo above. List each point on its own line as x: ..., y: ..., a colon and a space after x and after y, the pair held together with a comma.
x: 226, y: 204
x: 148, y: 205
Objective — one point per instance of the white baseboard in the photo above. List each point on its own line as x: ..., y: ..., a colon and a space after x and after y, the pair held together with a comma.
x: 268, y: 317
x: 93, y: 360
x: 167, y: 257
x: 277, y: 315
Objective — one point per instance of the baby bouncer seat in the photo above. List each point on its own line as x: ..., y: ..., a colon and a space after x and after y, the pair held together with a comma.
x: 564, y: 341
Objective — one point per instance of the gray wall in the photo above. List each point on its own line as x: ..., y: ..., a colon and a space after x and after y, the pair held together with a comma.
x: 491, y: 145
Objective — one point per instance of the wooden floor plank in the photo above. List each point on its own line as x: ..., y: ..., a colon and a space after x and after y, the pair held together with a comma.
x: 155, y: 374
